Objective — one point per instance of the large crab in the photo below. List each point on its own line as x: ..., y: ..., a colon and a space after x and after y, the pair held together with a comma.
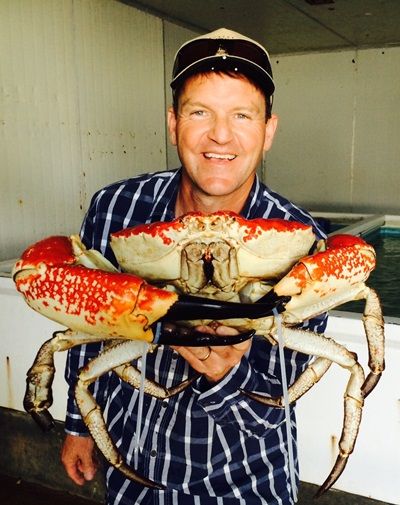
x: 203, y: 266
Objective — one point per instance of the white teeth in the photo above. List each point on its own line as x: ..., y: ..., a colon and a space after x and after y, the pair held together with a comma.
x: 220, y: 156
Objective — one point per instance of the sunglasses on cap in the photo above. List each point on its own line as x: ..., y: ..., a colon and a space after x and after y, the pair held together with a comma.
x: 250, y: 58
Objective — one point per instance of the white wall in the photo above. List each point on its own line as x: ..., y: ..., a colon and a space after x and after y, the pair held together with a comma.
x: 337, y: 147
x: 82, y: 101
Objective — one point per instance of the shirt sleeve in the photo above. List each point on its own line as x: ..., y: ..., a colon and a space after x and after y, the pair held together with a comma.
x: 259, y: 371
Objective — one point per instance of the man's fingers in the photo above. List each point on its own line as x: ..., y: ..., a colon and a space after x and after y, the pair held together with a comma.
x: 87, y: 466
x: 225, y: 330
x: 216, y: 361
x: 73, y: 471
x: 74, y: 474
x: 77, y: 456
x: 193, y: 353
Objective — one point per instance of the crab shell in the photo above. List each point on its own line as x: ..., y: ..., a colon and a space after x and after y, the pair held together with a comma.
x: 238, y: 251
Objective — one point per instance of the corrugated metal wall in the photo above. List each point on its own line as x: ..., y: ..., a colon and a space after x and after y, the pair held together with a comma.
x: 337, y: 147
x: 82, y: 101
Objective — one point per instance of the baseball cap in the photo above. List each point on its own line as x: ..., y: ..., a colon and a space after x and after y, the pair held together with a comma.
x: 224, y: 49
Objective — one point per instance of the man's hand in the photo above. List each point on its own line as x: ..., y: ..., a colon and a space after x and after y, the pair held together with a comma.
x: 78, y: 458
x: 214, y: 362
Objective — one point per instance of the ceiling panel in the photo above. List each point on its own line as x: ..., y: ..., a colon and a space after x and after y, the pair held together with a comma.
x: 290, y: 26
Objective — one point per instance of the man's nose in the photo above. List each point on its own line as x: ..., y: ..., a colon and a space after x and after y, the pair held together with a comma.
x: 220, y: 130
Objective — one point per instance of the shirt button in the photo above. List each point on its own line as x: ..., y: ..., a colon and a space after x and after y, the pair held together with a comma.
x: 164, y: 404
x: 153, y: 453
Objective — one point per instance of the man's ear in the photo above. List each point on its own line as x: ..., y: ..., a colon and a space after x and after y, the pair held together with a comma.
x: 270, y: 129
x: 172, y: 125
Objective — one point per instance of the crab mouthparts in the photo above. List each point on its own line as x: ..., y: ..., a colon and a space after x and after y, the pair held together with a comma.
x: 208, y: 267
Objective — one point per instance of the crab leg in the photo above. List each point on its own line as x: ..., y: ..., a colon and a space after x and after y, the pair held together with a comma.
x: 326, y: 348
x: 353, y: 404
x: 311, y: 375
x: 38, y: 395
x: 374, y: 329
x: 110, y: 358
x: 353, y: 399
x: 132, y: 376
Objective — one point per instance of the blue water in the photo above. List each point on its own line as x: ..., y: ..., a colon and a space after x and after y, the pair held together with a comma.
x: 385, y: 279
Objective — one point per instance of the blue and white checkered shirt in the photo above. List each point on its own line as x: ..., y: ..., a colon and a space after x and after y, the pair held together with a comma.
x: 209, y: 445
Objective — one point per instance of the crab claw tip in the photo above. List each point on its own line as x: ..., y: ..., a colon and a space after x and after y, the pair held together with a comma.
x: 193, y: 307
x: 43, y: 419
x: 336, y: 472
x: 179, y: 335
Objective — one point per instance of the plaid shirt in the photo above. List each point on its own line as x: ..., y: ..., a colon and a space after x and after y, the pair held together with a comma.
x: 209, y: 445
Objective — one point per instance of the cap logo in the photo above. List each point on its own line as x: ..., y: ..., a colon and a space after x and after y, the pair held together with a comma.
x: 221, y: 51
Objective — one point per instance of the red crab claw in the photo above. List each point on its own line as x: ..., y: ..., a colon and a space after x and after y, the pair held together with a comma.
x: 192, y: 307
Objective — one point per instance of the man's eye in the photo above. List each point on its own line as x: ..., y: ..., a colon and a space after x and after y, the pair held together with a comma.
x: 241, y: 115
x: 198, y: 113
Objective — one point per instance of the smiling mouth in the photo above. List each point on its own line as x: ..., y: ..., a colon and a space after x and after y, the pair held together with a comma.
x: 217, y: 156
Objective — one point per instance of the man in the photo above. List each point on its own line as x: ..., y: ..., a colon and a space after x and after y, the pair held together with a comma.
x: 210, y: 444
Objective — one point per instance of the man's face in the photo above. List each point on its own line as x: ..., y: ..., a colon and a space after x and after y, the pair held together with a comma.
x: 220, y: 132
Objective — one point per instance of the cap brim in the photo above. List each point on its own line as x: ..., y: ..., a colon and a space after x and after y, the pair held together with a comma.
x: 231, y: 63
